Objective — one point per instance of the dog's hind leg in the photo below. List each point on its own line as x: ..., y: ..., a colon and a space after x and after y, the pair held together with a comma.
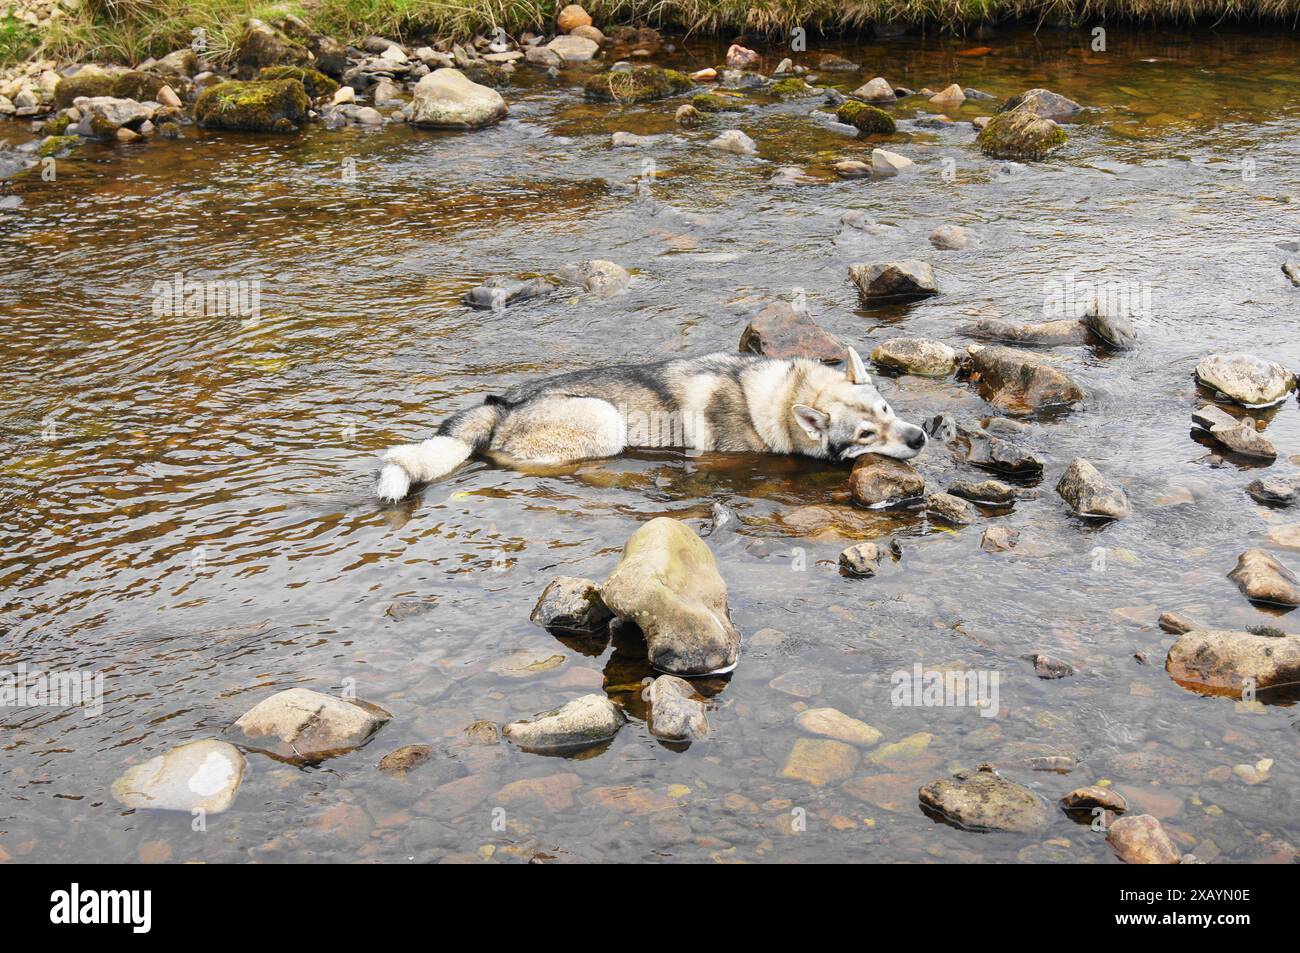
x: 558, y: 430
x: 459, y: 436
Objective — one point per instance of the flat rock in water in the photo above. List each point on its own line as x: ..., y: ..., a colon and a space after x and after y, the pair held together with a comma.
x: 1248, y: 380
x: 1048, y: 667
x: 860, y: 560
x: 1242, y: 438
x: 406, y: 758
x: 906, y: 280
x: 299, y: 724
x: 570, y: 604
x: 448, y: 99
x: 921, y: 356
x: 999, y: 539
x: 832, y: 723
x: 1090, y: 494
x: 1262, y: 578
x: 499, y: 292
x: 950, y: 509
x: 1041, y: 334
x: 585, y: 721
x: 820, y: 761
x: 982, y: 449
x: 1175, y: 622
x: 1225, y: 662
x: 989, y: 492
x: 1141, y: 840
x: 1210, y: 416
x: 198, y: 775
x: 878, y: 482
x: 950, y: 238
x: 1020, y: 383
x: 676, y: 711
x: 668, y: 584
x: 983, y: 800
x: 781, y: 331
x: 1275, y: 491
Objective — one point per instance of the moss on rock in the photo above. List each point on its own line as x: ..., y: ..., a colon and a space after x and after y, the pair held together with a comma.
x: 133, y: 84
x: 314, y: 81
x: 88, y: 81
x: 867, y: 119
x: 790, y: 88
x: 56, y: 126
x: 278, y: 105
x: 55, y: 144
x: 1019, y: 134
x: 713, y: 103
x: 638, y: 85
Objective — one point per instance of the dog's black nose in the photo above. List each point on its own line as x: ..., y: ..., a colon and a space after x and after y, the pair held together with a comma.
x: 917, y: 440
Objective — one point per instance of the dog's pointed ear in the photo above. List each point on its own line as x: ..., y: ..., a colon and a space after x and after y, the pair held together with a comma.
x: 812, y: 421
x: 855, y: 369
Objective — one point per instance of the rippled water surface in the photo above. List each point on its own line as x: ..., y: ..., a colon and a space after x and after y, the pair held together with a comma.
x: 187, y: 510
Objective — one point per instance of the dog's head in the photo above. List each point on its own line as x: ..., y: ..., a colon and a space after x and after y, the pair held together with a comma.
x: 851, y: 418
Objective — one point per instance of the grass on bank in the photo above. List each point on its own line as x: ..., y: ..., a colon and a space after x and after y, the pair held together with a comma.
x: 128, y: 31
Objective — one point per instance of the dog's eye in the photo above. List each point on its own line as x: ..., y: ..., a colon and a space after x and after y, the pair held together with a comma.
x: 865, y: 432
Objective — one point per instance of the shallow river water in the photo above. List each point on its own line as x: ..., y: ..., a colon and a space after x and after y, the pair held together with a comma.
x: 186, y: 503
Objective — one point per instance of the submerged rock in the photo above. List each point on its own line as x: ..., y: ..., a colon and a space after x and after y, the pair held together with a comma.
x: 1090, y: 494
x: 1175, y: 622
x: 299, y: 724
x: 781, y: 331
x: 406, y: 758
x: 834, y: 724
x: 878, y: 482
x: 1275, y: 491
x: 1043, y: 103
x: 1020, y: 135
x: 907, y: 280
x: 1017, y: 382
x: 676, y: 712
x: 1040, y: 334
x: 999, y: 539
x: 582, y: 722
x: 196, y: 776
x: 1250, y: 381
x: 1225, y: 661
x: 570, y: 604
x: 668, y: 584
x: 1116, y: 329
x: 820, y: 761
x: 254, y: 106
x: 868, y: 120
x: 1048, y: 667
x: 499, y: 292
x: 950, y: 238
x: 982, y: 800
x: 448, y: 99
x: 861, y: 560
x: 1262, y: 578
x: 921, y: 356
x: 637, y: 85
x: 1141, y: 840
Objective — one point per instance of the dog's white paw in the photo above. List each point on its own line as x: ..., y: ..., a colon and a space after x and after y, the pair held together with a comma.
x: 393, y: 484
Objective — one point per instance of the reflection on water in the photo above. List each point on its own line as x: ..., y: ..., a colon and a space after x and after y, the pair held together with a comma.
x: 186, y: 498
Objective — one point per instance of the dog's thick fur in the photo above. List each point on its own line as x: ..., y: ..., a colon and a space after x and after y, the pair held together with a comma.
x: 718, y: 402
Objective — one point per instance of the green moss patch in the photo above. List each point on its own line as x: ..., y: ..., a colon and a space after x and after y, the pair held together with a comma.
x: 315, y: 82
x: 1019, y: 134
x: 638, y: 85
x: 278, y: 105
x: 713, y: 103
x: 56, y: 144
x: 867, y: 119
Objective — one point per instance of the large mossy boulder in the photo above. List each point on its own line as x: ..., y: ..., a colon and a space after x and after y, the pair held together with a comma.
x: 668, y: 584
x: 314, y: 81
x: 869, y: 120
x: 88, y: 81
x: 331, y: 56
x: 263, y: 45
x: 1020, y: 134
x: 137, y: 85
x: 638, y: 85
x: 278, y: 105
x: 448, y: 99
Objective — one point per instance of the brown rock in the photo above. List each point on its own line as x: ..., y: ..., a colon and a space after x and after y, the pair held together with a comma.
x: 820, y: 762
x: 1141, y: 840
x: 572, y: 16
x: 878, y: 482
x: 781, y: 331
x: 1087, y: 798
x: 984, y: 800
x: 553, y: 792
x: 1222, y: 661
x: 1175, y: 622
x: 396, y: 763
x: 1262, y: 578
x: 1018, y: 382
x: 999, y: 539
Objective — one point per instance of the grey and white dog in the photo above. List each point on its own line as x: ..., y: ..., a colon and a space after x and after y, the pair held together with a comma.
x: 718, y: 402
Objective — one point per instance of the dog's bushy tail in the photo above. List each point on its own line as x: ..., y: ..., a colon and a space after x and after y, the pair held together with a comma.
x: 459, y: 436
